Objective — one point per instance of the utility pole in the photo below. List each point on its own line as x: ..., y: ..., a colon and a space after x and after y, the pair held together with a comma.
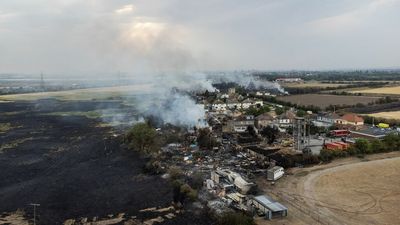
x: 41, y: 81
x: 34, y: 211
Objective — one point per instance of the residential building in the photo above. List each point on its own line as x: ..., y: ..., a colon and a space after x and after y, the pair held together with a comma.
x: 264, y: 120
x: 350, y: 119
x: 286, y: 118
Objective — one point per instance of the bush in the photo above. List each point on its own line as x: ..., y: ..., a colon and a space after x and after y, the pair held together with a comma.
x: 142, y: 137
x: 326, y: 155
x: 197, y: 180
x: 188, y: 192
x: 153, y: 167
x: 235, y: 219
x: 175, y: 173
x: 362, y: 146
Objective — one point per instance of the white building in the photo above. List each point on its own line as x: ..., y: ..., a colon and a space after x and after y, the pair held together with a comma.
x: 218, y: 106
x: 275, y: 173
x: 247, y: 103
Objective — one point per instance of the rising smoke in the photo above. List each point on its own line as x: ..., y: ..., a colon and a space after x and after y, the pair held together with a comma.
x: 170, y: 101
x: 160, y: 49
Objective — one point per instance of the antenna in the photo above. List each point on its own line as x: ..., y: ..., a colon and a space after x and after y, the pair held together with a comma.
x: 34, y: 211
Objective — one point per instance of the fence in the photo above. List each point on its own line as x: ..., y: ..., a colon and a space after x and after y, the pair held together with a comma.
x: 296, y: 203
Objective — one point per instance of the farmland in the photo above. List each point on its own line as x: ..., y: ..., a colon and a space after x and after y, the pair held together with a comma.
x: 313, y: 84
x: 326, y: 100
x: 386, y: 115
x: 394, y: 90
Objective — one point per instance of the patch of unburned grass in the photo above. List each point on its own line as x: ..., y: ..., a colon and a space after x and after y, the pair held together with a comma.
x: 5, y: 127
x: 14, y: 144
x: 88, y: 114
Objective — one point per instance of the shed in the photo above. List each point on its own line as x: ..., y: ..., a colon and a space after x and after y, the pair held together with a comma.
x: 268, y: 207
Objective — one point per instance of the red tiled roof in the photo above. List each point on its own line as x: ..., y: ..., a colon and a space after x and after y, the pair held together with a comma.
x: 352, y: 118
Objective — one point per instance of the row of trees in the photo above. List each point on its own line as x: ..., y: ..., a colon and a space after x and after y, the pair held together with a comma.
x: 257, y: 111
x: 363, y: 146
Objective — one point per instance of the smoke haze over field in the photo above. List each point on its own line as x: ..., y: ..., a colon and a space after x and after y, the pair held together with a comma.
x: 165, y: 42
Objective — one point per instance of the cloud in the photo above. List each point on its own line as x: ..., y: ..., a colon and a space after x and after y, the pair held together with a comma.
x: 100, y: 35
x: 346, y: 21
x: 125, y: 9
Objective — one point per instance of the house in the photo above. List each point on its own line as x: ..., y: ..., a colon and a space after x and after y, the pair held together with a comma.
x: 286, y: 118
x: 350, y: 119
x: 260, y: 93
x: 247, y: 103
x: 264, y: 120
x: 326, y: 119
x: 240, y: 124
x: 289, y: 80
x: 258, y: 103
x: 218, y: 105
x: 233, y: 104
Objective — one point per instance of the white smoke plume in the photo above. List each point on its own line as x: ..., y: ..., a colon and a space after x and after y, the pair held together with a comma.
x: 245, y: 79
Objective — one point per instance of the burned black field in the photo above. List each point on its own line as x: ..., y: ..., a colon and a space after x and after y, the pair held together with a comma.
x: 71, y: 166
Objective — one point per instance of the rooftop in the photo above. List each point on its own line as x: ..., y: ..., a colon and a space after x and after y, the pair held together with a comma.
x: 351, y: 117
x: 269, y: 203
x: 374, y: 132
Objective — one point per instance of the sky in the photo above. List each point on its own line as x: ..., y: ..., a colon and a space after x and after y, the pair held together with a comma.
x: 104, y: 36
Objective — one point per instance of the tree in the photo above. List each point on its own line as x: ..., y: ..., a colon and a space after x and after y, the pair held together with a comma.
x: 392, y: 142
x: 300, y: 113
x: 362, y: 146
x: 142, y: 137
x: 376, y: 146
x: 279, y: 110
x: 257, y: 111
x: 270, y: 133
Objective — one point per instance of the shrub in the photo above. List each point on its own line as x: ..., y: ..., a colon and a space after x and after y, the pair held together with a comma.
x: 175, y: 173
x: 235, y: 219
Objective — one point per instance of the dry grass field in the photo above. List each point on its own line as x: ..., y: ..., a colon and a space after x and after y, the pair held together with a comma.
x: 311, y: 85
x: 395, y: 90
x: 360, y: 193
x: 348, y: 191
x: 81, y: 94
x: 323, y: 100
x: 387, y: 115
